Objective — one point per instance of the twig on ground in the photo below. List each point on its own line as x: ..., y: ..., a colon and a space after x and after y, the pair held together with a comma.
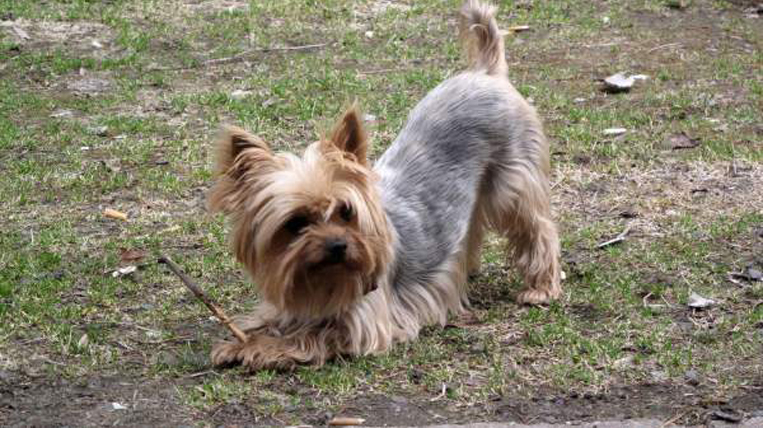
x: 669, y: 45
x: 615, y: 240
x: 241, y: 56
x: 345, y: 421
x: 443, y: 391
x: 384, y: 70
x: 199, y: 293
x: 674, y: 419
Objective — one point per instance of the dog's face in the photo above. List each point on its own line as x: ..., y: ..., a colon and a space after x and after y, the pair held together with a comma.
x: 310, y: 230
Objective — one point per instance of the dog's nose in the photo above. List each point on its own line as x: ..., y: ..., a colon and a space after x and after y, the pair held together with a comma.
x: 335, y: 249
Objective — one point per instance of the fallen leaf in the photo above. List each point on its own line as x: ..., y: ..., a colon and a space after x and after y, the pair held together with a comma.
x: 749, y: 274
x: 728, y: 417
x: 83, y: 341
x: 131, y: 255
x: 698, y: 302
x: 681, y: 141
x: 20, y: 33
x: 108, y: 212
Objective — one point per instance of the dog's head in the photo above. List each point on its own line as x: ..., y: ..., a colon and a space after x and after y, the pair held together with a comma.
x: 310, y: 230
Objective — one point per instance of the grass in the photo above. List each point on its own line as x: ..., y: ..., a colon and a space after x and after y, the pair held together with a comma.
x: 139, y: 142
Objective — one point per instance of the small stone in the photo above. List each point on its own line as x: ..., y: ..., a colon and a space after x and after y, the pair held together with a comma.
x: 698, y: 302
x: 692, y: 377
x: 618, y: 82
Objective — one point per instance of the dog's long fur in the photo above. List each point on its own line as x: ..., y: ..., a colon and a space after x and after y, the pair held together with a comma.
x: 471, y: 157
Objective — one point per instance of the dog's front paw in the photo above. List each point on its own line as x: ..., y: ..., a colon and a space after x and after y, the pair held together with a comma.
x: 538, y: 296
x: 227, y: 354
x: 261, y: 351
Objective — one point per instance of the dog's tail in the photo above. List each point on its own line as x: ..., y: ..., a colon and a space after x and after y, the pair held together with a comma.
x: 483, y: 40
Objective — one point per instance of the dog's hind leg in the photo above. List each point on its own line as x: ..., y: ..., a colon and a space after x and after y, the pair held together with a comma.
x: 518, y: 207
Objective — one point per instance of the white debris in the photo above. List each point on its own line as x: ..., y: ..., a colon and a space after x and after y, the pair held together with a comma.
x: 615, y: 131
x: 124, y: 271
x: 697, y: 301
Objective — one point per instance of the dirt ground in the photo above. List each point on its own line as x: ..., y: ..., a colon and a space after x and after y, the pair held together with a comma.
x: 90, y: 402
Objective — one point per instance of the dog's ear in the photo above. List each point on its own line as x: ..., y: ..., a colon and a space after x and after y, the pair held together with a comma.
x: 350, y: 136
x: 241, y: 159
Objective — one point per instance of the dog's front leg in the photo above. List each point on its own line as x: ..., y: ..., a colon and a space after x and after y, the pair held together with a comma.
x: 266, y: 350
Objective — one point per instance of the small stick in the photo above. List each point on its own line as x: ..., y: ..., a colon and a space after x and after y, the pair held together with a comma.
x: 201, y: 295
x: 615, y: 240
x: 250, y: 51
x: 345, y: 421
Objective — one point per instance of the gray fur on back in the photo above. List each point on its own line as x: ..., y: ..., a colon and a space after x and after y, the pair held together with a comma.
x: 432, y: 173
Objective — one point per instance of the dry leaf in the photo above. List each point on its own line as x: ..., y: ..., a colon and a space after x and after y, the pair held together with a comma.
x: 108, y: 212
x: 20, y: 33
x: 131, y: 255
x: 83, y: 341
x: 682, y: 141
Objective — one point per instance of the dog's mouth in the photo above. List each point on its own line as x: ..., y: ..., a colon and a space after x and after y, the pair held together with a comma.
x: 334, y: 264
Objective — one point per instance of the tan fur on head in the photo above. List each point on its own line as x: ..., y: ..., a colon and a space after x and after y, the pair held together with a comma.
x: 349, y: 135
x: 289, y: 211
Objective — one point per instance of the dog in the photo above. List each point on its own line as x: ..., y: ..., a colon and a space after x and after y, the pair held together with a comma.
x: 350, y: 258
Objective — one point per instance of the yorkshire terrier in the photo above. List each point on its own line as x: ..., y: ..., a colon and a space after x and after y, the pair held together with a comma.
x: 351, y: 258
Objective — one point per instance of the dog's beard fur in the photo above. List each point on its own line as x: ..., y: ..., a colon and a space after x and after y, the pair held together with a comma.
x: 311, y: 230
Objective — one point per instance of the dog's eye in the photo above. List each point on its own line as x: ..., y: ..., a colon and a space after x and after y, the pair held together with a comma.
x: 346, y: 213
x: 297, y: 224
